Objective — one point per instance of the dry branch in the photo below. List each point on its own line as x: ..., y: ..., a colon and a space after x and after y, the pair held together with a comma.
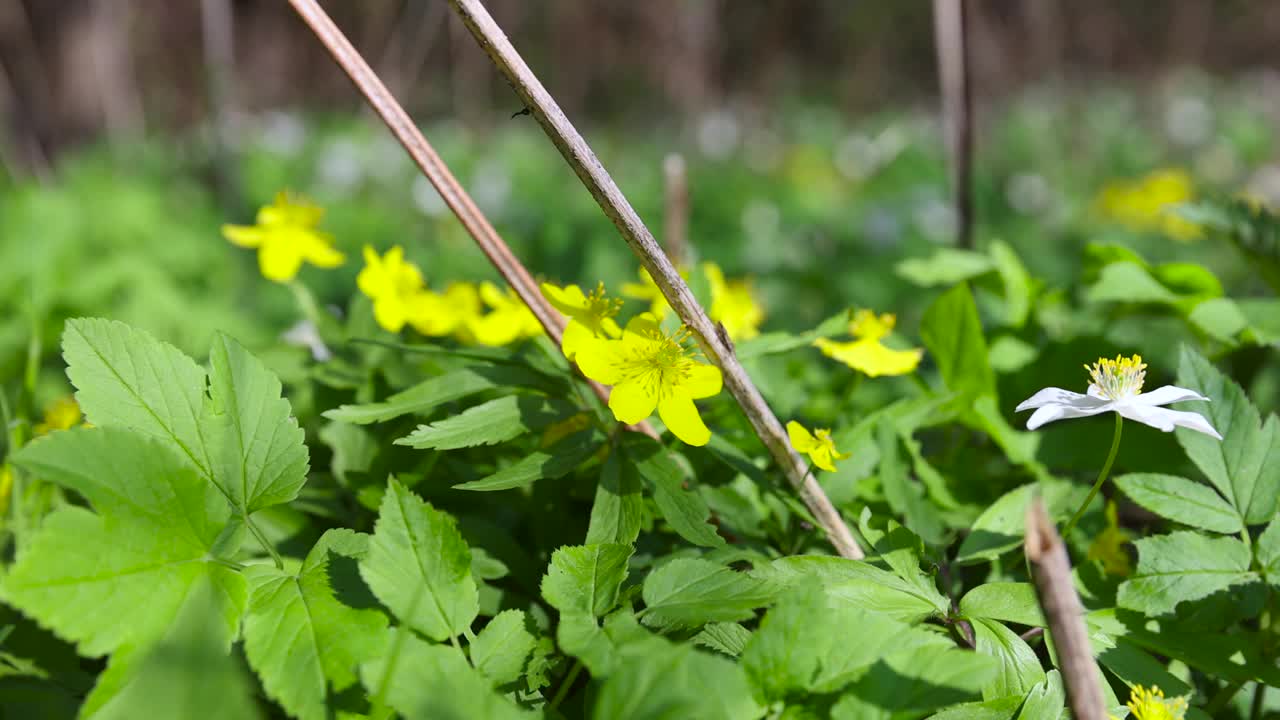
x: 1064, y: 613
x: 952, y: 41
x: 713, y: 341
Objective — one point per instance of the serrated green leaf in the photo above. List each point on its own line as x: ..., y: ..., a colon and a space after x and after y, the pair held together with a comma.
x: 119, y: 577
x: 496, y: 421
x: 1002, y: 709
x: 1180, y: 500
x: 684, y: 510
x: 1183, y: 566
x: 1007, y: 601
x: 419, y: 566
x: 430, y: 394
x: 127, y: 378
x: 924, y: 678
x: 723, y: 637
x: 952, y: 331
x: 656, y: 678
x: 1000, y: 528
x: 1268, y: 549
x: 689, y: 592
x: 1018, y: 669
x: 947, y: 266
x: 188, y: 673
x: 585, y: 579
x: 860, y: 584
x: 551, y: 463
x: 1136, y: 667
x: 500, y: 649
x: 1235, y: 465
x: 255, y: 446
x: 298, y: 633
x: 1045, y: 701
x: 434, y: 681
x: 618, y: 509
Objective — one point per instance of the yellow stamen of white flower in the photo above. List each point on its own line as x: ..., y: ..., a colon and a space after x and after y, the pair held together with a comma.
x: 1119, y: 378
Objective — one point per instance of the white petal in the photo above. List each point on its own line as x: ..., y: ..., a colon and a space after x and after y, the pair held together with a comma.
x: 1167, y: 394
x: 1095, y: 392
x: 1166, y: 419
x: 1050, y: 396
x: 1063, y: 411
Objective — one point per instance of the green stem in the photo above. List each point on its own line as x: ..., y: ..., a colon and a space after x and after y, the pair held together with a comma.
x: 1097, y: 484
x: 1220, y: 700
x: 1259, y: 700
x: 262, y: 540
x: 563, y: 691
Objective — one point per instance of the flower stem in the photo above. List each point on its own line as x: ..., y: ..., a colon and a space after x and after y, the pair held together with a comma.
x: 1097, y: 484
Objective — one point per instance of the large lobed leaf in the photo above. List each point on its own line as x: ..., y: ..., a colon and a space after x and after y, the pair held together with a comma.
x: 1183, y: 566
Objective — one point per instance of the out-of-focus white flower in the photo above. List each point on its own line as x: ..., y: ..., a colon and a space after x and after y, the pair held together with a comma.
x: 306, y: 335
x: 1117, y: 387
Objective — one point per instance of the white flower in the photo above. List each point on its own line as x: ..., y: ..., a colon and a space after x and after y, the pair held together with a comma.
x: 1116, y: 387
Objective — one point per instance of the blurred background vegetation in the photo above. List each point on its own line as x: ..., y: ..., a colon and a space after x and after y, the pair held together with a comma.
x: 130, y: 130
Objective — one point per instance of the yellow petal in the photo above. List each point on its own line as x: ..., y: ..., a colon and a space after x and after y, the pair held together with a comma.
x: 390, y: 312
x: 632, y: 401
x: 576, y: 336
x: 598, y: 360
x: 321, y: 253
x: 821, y: 457
x: 703, y: 381
x: 681, y: 417
x: 871, y: 357
x: 495, y: 329
x: 279, y: 261
x: 430, y: 314
x: 569, y: 300
x: 493, y: 295
x: 610, y: 327
x: 801, y: 439
x: 243, y: 235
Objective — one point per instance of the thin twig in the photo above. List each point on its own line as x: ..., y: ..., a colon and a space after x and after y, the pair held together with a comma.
x: 952, y: 42
x: 1065, y: 615
x: 714, y: 343
x: 435, y: 170
x: 675, y: 229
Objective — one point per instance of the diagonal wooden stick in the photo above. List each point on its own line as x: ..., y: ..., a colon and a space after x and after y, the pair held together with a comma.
x: 1051, y: 570
x: 714, y: 342
x: 435, y: 170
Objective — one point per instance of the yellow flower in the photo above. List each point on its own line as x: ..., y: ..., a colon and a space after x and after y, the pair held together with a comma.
x: 648, y: 291
x: 1147, y: 204
x: 818, y: 445
x: 650, y: 369
x: 1151, y: 704
x: 62, y: 414
x: 590, y: 316
x: 439, y: 314
x: 866, y: 353
x: 507, y: 321
x: 733, y: 304
x: 393, y: 284
x: 1108, y: 547
x: 285, y: 236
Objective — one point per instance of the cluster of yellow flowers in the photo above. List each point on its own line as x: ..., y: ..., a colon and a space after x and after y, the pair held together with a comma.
x: 1147, y: 204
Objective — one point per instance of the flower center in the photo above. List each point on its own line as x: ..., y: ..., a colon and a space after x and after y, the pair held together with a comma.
x: 663, y: 361
x: 1152, y: 705
x: 601, y: 307
x: 866, y: 326
x: 1119, y: 378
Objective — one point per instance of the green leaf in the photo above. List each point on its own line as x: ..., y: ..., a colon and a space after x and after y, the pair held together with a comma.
x: 434, y: 681
x: 430, y: 394
x: 1016, y: 280
x: 1128, y: 282
x: 1235, y: 465
x: 1001, y: 527
x: 1018, y: 669
x: 905, y: 496
x: 1008, y: 354
x: 618, y: 509
x: 684, y: 510
x: 1183, y: 566
x: 924, y: 678
x: 585, y: 579
x: 256, y: 447
x: 952, y: 332
x: 1007, y: 601
x: 860, y: 584
x: 119, y: 577
x: 1180, y: 500
x: 1046, y: 700
x: 298, y: 634
x: 492, y: 422
x: 189, y: 673
x: 1219, y: 318
x: 658, y: 679
x: 689, y: 592
x: 419, y: 566
x: 724, y: 637
x: 551, y: 463
x: 501, y: 648
x: 1268, y: 549
x: 1002, y: 709
x: 773, y: 343
x: 127, y: 378
x: 947, y: 266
